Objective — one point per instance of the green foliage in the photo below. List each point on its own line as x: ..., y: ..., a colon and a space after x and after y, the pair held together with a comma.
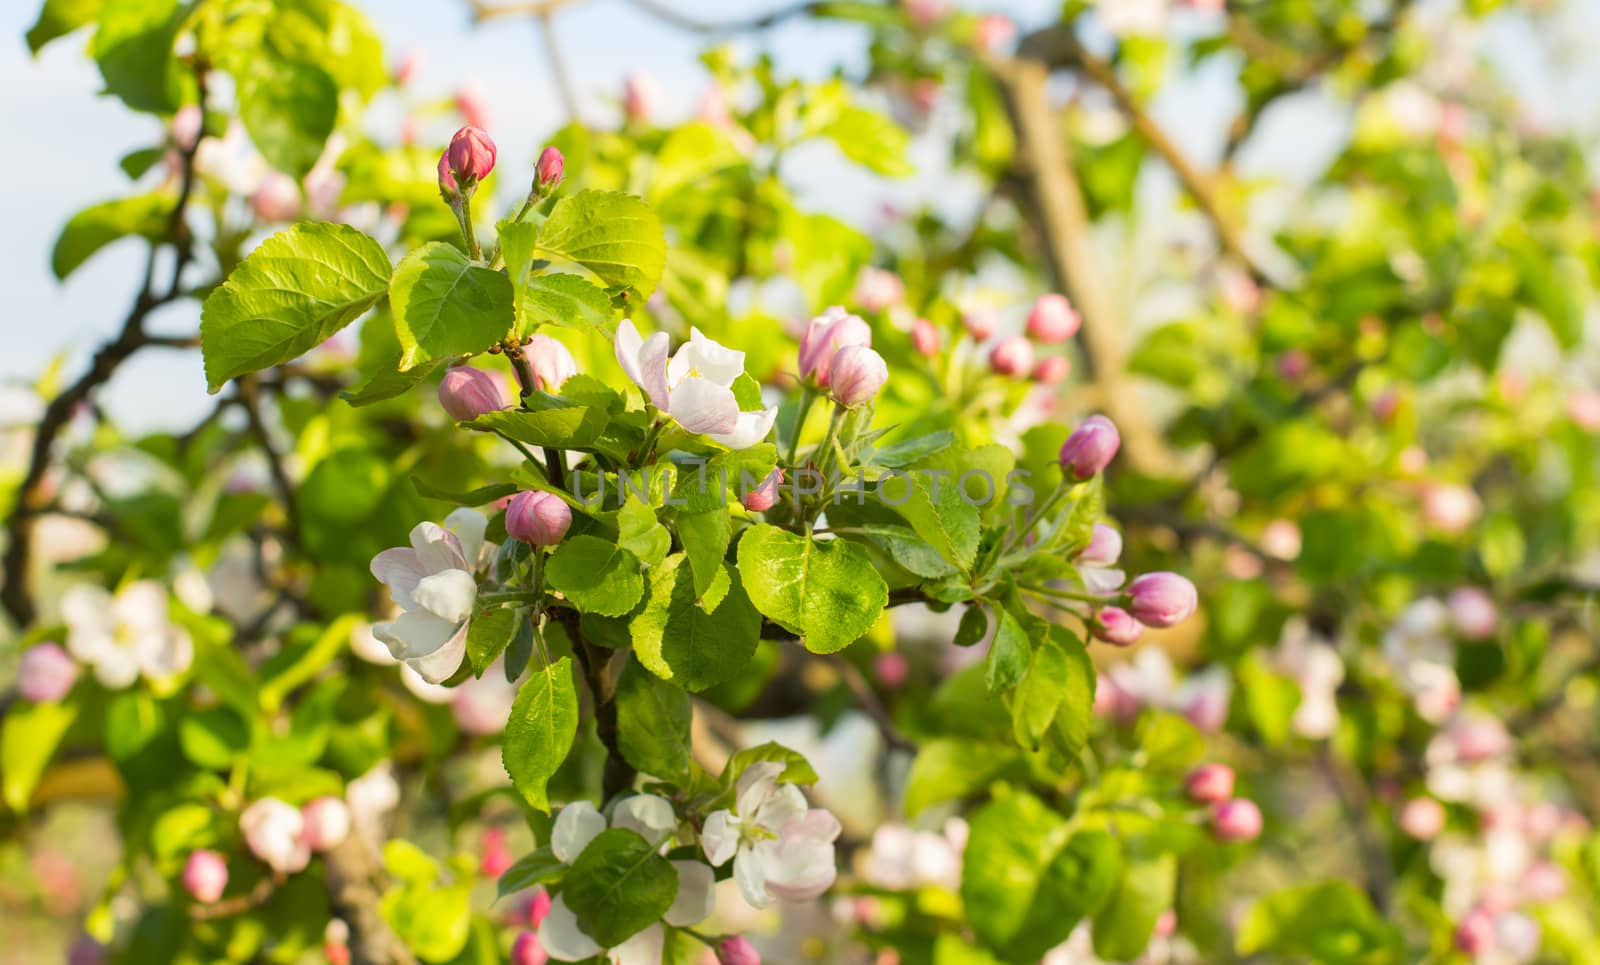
x: 539, y: 733
x: 445, y: 305
x: 827, y: 591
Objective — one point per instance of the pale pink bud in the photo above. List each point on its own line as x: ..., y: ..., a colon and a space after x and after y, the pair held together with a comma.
x: 1053, y: 319
x: 1584, y: 408
x: 471, y: 154
x: 891, y: 669
x: 187, y: 125
x: 537, y: 907
x: 1236, y: 820
x: 205, y: 875
x: 1090, y: 448
x: 552, y: 364
x: 1281, y: 539
x: 327, y: 823
x: 764, y: 496
x: 526, y: 950
x: 924, y: 337
x: 472, y: 100
x: 1543, y: 882
x: 878, y: 289
x: 539, y: 518
x: 466, y: 393
x: 1051, y: 370
x: 1013, y: 357
x: 856, y: 374
x: 494, y: 857
x: 639, y: 96
x: 46, y: 673
x: 407, y: 67
x: 737, y: 950
x: 1475, y: 933
x: 1450, y: 508
x: 1161, y: 599
x: 1473, y: 613
x: 278, y: 198
x: 980, y: 323
x: 1209, y: 784
x: 824, y: 336
x: 1105, y: 546
x: 994, y: 32
x: 1422, y: 818
x: 1116, y: 626
x: 274, y: 831
x: 449, y: 189
x: 1166, y: 924
x: 552, y: 167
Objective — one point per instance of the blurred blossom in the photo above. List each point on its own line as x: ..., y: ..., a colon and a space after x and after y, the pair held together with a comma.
x: 1313, y: 663
x: 472, y: 102
x: 1419, y: 647
x: 1583, y: 406
x: 371, y: 797
x: 45, y: 673
x: 125, y: 635
x: 1473, y: 613
x: 641, y: 96
x: 1422, y: 818
x: 1281, y: 539
x: 278, y: 198
x: 1124, y: 18
x: 275, y: 833
x: 899, y: 858
x: 482, y: 705
x: 877, y: 289
x: 1448, y: 507
x: 1203, y: 698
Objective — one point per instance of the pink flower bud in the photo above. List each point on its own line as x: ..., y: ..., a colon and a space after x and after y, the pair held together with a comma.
x: 1209, y: 784
x: 1105, y: 546
x: 1236, y: 820
x: 924, y: 337
x: 1090, y: 448
x: 856, y: 374
x: 1475, y: 933
x: 737, y: 950
x: 994, y: 32
x: 764, y: 496
x: 205, y: 875
x: 1583, y: 406
x: 1052, y: 370
x: 552, y: 364
x: 471, y: 154
x: 539, y: 518
x: 824, y: 336
x: 278, y: 198
x: 1116, y: 626
x: 466, y: 393
x: 1013, y: 356
x: 327, y: 823
x: 1422, y: 818
x: 1161, y: 599
x: 639, y: 97
x: 1473, y: 612
x: 891, y: 669
x: 449, y: 189
x: 552, y: 167
x: 980, y: 323
x: 1053, y: 319
x: 46, y: 673
x: 472, y: 100
x: 537, y: 907
x: 1543, y: 882
x: 274, y: 831
x: 495, y: 857
x: 526, y: 950
x: 878, y: 289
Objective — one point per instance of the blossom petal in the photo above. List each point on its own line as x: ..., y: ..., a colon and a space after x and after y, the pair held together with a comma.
x: 701, y: 405
x: 644, y: 948
x: 468, y: 525
x: 752, y: 878
x: 720, y: 836
x: 644, y: 361
x: 437, y: 548
x: 400, y: 569
x: 414, y: 634
x: 166, y: 654
x: 115, y: 667
x: 1100, y: 581
x: 651, y: 817
x: 782, y: 808
x: 696, y: 894
x: 560, y: 936
x: 576, y: 825
x: 707, y: 359
x: 86, y: 605
x: 751, y: 428
x: 441, y: 665
x: 142, y: 605
x: 448, y: 595
x: 755, y: 785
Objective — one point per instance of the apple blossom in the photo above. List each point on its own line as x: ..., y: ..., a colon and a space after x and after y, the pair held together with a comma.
x: 327, y: 823
x: 822, y: 339
x: 1475, y: 932
x: 924, y: 337
x: 1012, y: 357
x: 764, y: 496
x: 878, y: 289
x: 1473, y: 613
x: 1583, y: 408
x: 527, y: 951
x: 856, y: 374
x: 1449, y: 508
x: 1209, y: 784
x: 1090, y: 448
x: 779, y: 847
x: 1161, y: 599
x: 1051, y: 370
x: 482, y: 705
x: 45, y: 673
x: 1096, y: 564
x: 1315, y: 666
x: 1203, y: 698
x: 980, y: 323
x: 432, y: 582
x: 471, y: 154
x: 205, y: 875
x: 275, y: 833
x: 125, y: 635
x: 550, y: 169
x: 1281, y: 539
x: 1116, y: 626
x: 1237, y: 819
x: 640, y: 95
x: 891, y: 669
x: 994, y: 32
x: 1422, y: 818
x: 737, y: 950
x: 538, y: 518
x: 694, y: 387
x: 278, y: 198
x: 552, y: 364
x: 466, y: 393
x: 1053, y: 319
x: 371, y: 797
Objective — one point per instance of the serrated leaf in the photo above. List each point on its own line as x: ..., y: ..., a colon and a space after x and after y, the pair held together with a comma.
x: 679, y: 641
x: 289, y: 108
x: 619, y: 886
x: 1009, y: 653
x: 562, y: 299
x: 529, y: 870
x: 597, y: 576
x: 558, y: 423
x: 640, y: 533
x: 543, y: 723
x: 390, y: 382
x: 145, y: 216
x: 616, y: 236
x: 294, y: 291
x: 705, y: 537
x: 489, y: 634
x: 653, y: 719
x: 447, y: 305
x: 828, y: 592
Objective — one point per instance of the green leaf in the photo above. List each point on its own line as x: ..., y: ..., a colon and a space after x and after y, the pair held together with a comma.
x: 653, y: 724
x: 947, y: 768
x: 212, y: 738
x: 59, y: 18
x: 689, y: 155
x: 1009, y: 654
x: 872, y: 140
x: 294, y: 291
x: 597, y: 576
x: 1122, y: 928
x: 544, y: 721
x: 796, y: 769
x: 446, y: 305
x: 827, y: 591
x: 390, y: 382
x: 705, y: 538
x: 619, y: 886
x: 144, y: 215
x: 1040, y: 694
x: 616, y: 236
x: 489, y: 634
x: 930, y: 499
x: 1330, y: 921
x: 640, y: 533
x: 289, y: 109
x: 680, y: 642
x: 563, y: 299
x: 28, y: 739
x: 974, y: 626
x: 529, y: 870
x: 133, y: 46
x: 556, y: 422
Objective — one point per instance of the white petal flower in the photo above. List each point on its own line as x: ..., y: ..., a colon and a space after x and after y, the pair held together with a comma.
x: 696, y: 894
x: 782, y: 848
x: 469, y: 525
x: 371, y: 797
x: 646, y: 815
x: 274, y: 832
x: 433, y: 583
x: 127, y: 634
x: 749, y: 429
x: 576, y: 825
x: 645, y: 362
x: 560, y: 936
x: 644, y: 948
x: 694, y: 387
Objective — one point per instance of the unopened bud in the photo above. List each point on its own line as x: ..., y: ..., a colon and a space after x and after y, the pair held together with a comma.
x: 552, y: 167
x: 538, y: 518
x: 856, y: 374
x: 1209, y: 784
x: 205, y: 875
x: 1013, y: 357
x: 1236, y: 820
x: 466, y: 393
x: 1116, y: 626
x: 1053, y: 319
x: 1161, y: 599
x: 1090, y: 448
x: 471, y: 154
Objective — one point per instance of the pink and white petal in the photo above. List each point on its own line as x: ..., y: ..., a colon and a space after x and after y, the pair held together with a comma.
x: 437, y: 548
x: 142, y: 605
x: 647, y: 815
x: 166, y: 654
x: 785, y: 806
x: 756, y: 784
x: 115, y: 667
x: 644, y: 948
x: 400, y: 569
x: 696, y: 894
x: 576, y: 825
x: 441, y: 664
x: 751, y: 428
x: 414, y: 634
x: 707, y: 359
x: 87, y: 606
x: 720, y: 836
x: 560, y: 936
x: 1101, y: 581
x: 627, y: 345
x: 796, y: 868
x: 653, y: 369
x: 448, y: 595
x: 701, y: 405
x: 469, y: 525
x: 752, y: 878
